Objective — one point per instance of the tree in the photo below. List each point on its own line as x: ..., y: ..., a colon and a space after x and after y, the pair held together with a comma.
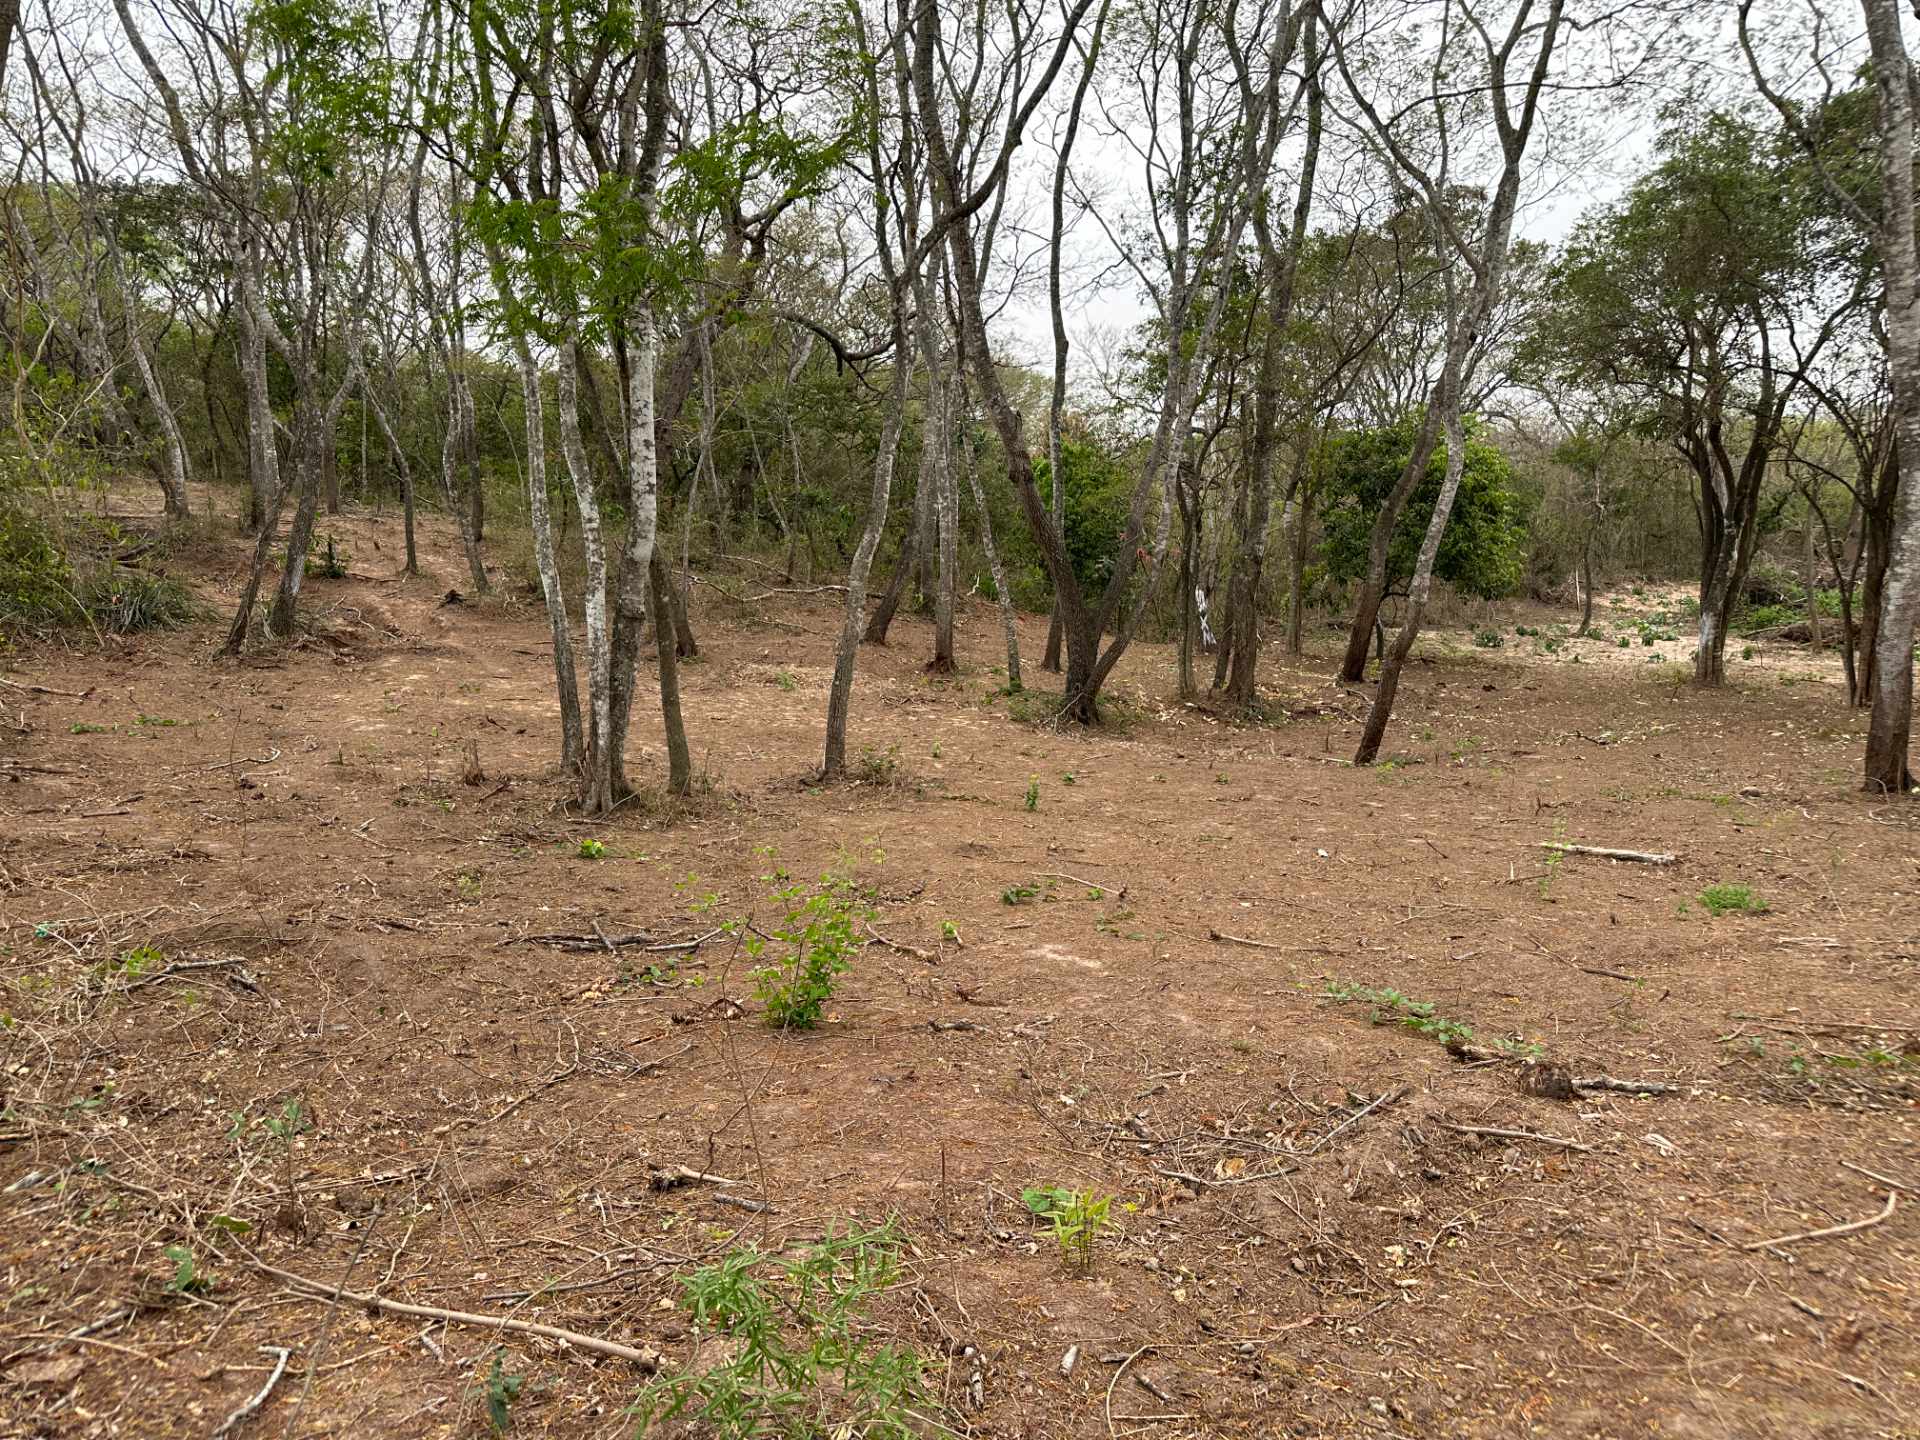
x: 1483, y: 545
x: 1700, y: 296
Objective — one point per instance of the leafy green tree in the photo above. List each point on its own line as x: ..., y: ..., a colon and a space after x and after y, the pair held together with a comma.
x: 1483, y: 550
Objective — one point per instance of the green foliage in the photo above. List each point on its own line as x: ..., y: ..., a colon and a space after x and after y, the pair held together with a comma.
x: 1392, y: 1007
x: 188, y: 1278
x: 1033, y: 792
x: 1021, y: 894
x: 1483, y: 547
x: 122, y: 600
x: 1099, y: 493
x: 498, y: 1391
x: 877, y: 767
x: 811, y: 948
x: 1487, y: 638
x: 1731, y: 900
x: 42, y: 587
x: 793, y: 1357
x: 1078, y: 1217
x: 592, y: 850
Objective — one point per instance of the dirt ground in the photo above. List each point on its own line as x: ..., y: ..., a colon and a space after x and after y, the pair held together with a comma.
x: 1314, y: 1232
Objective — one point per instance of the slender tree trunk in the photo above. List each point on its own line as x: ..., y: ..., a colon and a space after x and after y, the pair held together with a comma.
x: 567, y: 685
x: 452, y: 448
x: 1395, y: 659
x: 643, y: 499
x: 266, y: 493
x: 883, y: 613
x: 946, y: 515
x: 672, y: 720
x: 401, y: 468
x: 1372, y: 592
x: 1187, y: 506
x: 596, y: 775
x: 1297, y: 576
x: 846, y: 649
x: 1586, y: 584
x: 1002, y: 596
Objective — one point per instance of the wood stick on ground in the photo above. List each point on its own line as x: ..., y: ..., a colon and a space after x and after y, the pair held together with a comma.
x: 914, y: 950
x: 47, y: 690
x: 1242, y: 940
x: 1108, y: 1404
x: 1493, y: 1132
x: 668, y: 1177
x: 1624, y: 1087
x: 1385, y: 1098
x: 260, y: 1397
x: 646, y: 1360
x: 1893, y: 1201
x: 1887, y: 1180
x: 1603, y: 852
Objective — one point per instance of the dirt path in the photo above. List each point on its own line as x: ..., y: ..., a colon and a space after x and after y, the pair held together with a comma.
x: 1306, y: 1240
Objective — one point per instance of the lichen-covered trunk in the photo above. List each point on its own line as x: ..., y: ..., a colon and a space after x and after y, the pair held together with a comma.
x: 596, y: 775
x: 266, y: 493
x: 540, y: 519
x: 1891, y: 717
x: 307, y: 438
x: 636, y: 557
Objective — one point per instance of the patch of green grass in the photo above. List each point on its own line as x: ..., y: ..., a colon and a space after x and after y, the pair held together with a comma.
x: 1731, y: 900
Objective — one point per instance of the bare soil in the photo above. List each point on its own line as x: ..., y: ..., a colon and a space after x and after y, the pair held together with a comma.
x: 1308, y: 1241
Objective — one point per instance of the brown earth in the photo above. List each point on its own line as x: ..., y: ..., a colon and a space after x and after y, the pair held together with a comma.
x: 1304, y: 1241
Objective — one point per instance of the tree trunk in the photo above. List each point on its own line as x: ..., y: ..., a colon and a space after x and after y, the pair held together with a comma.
x: 1809, y: 569
x: 453, y: 446
x: 883, y: 613
x: 946, y: 515
x: 265, y: 492
x: 1187, y: 505
x: 1395, y: 659
x: 1373, y: 586
x: 673, y: 722
x: 1297, y: 576
x: 846, y: 649
x: 567, y: 685
x: 643, y: 498
x: 1002, y: 596
x: 596, y: 774
x: 1586, y: 584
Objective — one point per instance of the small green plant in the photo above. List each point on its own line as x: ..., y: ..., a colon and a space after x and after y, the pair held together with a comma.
x: 784, y: 679
x: 328, y: 564
x: 188, y: 1279
x: 1625, y: 642
x: 592, y: 850
x: 1487, y: 638
x: 813, y: 947
x: 1020, y: 894
x: 1392, y: 1007
x: 154, y: 722
x: 1731, y: 900
x: 499, y: 1390
x: 794, y: 1358
x: 141, y: 960
x: 1067, y: 779
x: 950, y: 932
x: 1555, y: 858
x: 82, y: 728
x: 1033, y: 792
x: 1078, y: 1217
x: 878, y: 767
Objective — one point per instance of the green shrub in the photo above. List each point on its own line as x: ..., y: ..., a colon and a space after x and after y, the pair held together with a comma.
x: 813, y: 947
x: 794, y: 1358
x: 1487, y: 638
x: 123, y: 600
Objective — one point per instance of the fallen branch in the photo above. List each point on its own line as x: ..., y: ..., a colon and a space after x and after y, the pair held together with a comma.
x: 47, y: 690
x: 1385, y: 1098
x: 180, y: 967
x: 1886, y: 1180
x: 1644, y: 857
x: 914, y: 950
x: 671, y: 1177
x: 1893, y: 1201
x: 601, y: 940
x: 647, y: 1360
x: 1624, y: 1087
x: 260, y: 1397
x: 1495, y: 1133
x: 1242, y: 940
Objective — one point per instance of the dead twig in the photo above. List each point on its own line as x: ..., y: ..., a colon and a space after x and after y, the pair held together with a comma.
x: 1624, y: 1087
x: 1604, y: 852
x: 246, y: 1411
x: 672, y: 1177
x: 646, y: 1360
x: 1886, y: 1180
x: 1852, y: 1226
x: 47, y: 690
x: 914, y: 950
x: 1495, y: 1133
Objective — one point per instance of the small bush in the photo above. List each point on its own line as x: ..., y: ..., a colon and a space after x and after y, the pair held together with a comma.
x: 123, y: 601
x: 794, y: 1357
x: 1488, y: 638
x: 1078, y: 1217
x: 815, y: 945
